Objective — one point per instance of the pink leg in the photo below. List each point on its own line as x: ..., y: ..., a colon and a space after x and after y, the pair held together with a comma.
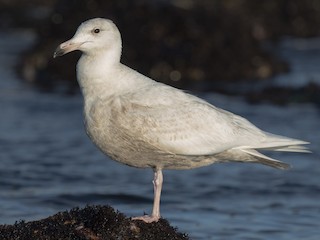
x: 157, y: 186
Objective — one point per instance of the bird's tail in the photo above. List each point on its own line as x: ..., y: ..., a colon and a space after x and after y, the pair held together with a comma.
x: 275, y: 143
x: 255, y: 156
x: 280, y: 143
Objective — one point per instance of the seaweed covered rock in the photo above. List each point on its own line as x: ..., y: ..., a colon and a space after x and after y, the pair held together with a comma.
x: 89, y: 223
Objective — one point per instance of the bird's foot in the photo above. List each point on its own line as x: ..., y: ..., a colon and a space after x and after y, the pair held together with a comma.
x: 147, y: 218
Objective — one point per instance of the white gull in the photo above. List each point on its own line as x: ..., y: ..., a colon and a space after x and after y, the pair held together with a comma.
x: 143, y: 123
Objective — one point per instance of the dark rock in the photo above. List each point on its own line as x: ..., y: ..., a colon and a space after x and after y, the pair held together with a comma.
x: 89, y: 223
x: 285, y: 95
x: 181, y: 46
x: 187, y: 44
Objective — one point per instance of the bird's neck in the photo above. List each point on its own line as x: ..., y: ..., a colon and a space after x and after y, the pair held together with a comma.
x: 101, y: 58
x: 93, y: 70
x: 102, y: 75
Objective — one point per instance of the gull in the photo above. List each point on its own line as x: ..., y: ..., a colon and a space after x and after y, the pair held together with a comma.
x: 146, y: 124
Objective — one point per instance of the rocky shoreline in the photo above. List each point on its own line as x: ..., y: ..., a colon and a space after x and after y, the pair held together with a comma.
x: 90, y: 223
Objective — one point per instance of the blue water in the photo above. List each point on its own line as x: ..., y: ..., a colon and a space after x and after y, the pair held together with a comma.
x: 47, y: 164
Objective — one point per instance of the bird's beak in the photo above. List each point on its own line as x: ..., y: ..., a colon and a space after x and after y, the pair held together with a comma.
x: 66, y: 47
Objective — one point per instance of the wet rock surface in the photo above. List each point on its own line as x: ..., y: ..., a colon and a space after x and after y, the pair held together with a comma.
x: 89, y: 223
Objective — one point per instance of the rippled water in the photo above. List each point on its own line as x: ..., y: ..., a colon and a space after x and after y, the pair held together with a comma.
x: 47, y: 164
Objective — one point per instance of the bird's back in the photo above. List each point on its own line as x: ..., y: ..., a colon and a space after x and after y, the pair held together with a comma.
x: 152, y: 124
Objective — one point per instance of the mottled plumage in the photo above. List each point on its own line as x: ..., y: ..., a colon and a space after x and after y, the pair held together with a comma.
x: 142, y: 123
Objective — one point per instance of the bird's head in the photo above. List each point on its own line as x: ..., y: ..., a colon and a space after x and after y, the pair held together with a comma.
x: 93, y: 36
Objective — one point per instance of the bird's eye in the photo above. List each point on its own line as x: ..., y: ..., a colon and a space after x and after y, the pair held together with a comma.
x: 96, y: 30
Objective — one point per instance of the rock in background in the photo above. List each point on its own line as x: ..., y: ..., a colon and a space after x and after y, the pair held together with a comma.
x: 189, y: 44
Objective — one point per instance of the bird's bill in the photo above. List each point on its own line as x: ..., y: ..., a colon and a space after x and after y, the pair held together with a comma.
x: 66, y: 47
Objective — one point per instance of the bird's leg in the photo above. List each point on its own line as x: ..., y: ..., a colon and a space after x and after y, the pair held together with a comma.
x: 157, y: 187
